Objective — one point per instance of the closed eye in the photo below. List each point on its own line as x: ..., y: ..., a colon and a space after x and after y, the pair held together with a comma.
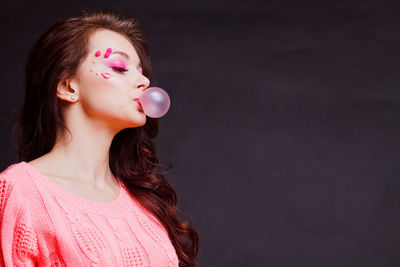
x: 119, y: 69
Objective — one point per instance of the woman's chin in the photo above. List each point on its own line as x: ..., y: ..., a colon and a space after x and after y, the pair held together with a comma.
x: 141, y: 119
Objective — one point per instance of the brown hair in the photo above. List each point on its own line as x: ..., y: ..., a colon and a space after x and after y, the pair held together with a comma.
x: 56, y: 55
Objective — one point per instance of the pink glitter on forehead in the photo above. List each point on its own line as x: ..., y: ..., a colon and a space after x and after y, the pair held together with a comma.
x: 108, y: 52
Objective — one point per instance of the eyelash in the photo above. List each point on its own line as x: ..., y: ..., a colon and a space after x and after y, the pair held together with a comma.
x: 119, y: 69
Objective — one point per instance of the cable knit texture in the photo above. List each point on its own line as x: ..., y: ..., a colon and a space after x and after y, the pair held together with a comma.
x: 43, y: 224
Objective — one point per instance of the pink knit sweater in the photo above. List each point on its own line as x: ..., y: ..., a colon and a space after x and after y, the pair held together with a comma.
x: 43, y: 224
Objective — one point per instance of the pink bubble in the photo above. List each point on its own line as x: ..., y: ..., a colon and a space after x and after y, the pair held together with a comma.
x: 154, y: 101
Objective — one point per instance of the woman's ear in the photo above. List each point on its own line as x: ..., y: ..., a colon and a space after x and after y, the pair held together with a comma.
x: 68, y: 90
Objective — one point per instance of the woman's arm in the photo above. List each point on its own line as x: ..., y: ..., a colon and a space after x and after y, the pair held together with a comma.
x: 18, y: 243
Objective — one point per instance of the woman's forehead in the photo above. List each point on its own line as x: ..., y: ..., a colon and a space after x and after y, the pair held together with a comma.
x: 103, y: 39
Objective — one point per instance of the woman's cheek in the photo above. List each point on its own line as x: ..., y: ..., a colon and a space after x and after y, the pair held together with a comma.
x: 106, y: 75
x: 105, y: 78
x: 116, y: 82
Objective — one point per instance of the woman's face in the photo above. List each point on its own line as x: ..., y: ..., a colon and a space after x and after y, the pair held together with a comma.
x: 108, y: 80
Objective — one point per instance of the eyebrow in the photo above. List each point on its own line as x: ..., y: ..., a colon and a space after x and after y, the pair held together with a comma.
x: 125, y: 55
x: 121, y: 53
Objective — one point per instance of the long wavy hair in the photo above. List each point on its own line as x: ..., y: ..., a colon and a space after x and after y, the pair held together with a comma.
x: 56, y: 56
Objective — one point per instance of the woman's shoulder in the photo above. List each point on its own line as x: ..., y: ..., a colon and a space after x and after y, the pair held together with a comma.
x: 11, y: 192
x: 14, y: 173
x: 15, y: 176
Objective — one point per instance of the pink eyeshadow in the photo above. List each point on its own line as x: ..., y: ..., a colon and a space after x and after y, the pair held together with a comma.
x: 116, y: 63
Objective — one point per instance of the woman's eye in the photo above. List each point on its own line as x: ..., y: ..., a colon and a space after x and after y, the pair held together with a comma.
x: 119, y: 69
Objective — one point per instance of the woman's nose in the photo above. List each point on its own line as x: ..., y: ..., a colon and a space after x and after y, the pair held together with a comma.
x: 142, y: 83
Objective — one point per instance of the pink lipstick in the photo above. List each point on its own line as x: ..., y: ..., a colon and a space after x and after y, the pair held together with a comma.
x: 138, y: 102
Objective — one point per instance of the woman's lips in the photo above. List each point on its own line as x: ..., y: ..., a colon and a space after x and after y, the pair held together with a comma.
x: 138, y: 102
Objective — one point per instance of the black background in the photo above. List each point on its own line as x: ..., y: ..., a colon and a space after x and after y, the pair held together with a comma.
x: 283, y: 127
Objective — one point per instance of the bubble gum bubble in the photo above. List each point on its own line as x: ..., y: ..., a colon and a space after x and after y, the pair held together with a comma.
x: 155, y: 102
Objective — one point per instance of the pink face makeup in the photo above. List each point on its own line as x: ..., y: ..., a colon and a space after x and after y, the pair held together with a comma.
x: 140, y: 69
x: 108, y: 52
x: 106, y: 75
x: 116, y: 63
x: 98, y: 53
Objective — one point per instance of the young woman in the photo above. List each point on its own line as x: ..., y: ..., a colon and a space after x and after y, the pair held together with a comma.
x: 87, y: 191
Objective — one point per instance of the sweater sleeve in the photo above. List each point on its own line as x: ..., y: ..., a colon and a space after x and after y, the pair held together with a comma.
x: 18, y: 243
